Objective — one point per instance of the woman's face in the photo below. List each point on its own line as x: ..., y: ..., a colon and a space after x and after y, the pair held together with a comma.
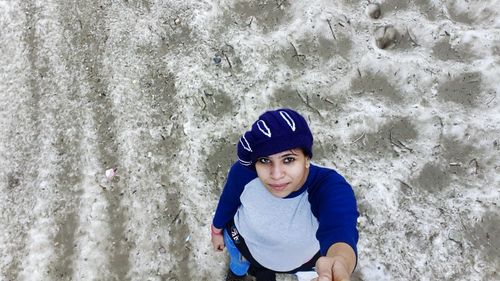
x: 284, y: 172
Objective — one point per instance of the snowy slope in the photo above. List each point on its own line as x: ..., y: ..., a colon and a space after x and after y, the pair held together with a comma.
x: 162, y: 90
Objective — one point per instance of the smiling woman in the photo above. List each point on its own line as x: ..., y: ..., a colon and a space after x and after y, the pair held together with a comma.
x: 284, y: 172
x: 278, y: 213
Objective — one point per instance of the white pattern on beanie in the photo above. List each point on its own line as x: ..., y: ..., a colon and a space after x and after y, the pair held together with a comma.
x: 288, y: 119
x: 246, y: 144
x: 245, y: 163
x: 267, y: 131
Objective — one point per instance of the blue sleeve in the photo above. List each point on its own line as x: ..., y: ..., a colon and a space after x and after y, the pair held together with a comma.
x: 334, y: 205
x: 229, y: 201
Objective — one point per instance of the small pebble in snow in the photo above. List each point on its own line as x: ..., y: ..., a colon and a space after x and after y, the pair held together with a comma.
x: 111, y: 173
x: 162, y: 250
x: 373, y: 10
x: 386, y: 37
x: 217, y: 60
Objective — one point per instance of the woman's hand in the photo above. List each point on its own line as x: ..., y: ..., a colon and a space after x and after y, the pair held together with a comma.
x: 332, y: 269
x: 217, y: 238
x: 338, y: 264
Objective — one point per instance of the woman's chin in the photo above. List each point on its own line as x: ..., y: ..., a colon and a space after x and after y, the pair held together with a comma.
x: 279, y: 191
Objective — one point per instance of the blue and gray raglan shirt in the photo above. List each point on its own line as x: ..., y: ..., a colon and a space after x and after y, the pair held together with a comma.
x: 284, y: 233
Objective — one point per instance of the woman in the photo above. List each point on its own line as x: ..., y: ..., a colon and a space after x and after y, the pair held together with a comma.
x: 278, y: 213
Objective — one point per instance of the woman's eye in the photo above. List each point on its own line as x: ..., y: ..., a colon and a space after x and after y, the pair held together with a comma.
x: 289, y: 160
x: 264, y: 160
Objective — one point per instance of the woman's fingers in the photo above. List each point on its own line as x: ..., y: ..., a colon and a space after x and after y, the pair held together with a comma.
x: 324, y: 267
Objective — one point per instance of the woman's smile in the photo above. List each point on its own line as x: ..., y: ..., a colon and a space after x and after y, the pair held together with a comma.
x: 278, y: 187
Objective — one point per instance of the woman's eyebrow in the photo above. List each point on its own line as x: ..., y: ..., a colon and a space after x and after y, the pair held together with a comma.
x: 288, y: 155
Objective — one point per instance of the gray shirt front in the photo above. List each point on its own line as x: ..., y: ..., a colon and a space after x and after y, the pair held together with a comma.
x: 279, y: 232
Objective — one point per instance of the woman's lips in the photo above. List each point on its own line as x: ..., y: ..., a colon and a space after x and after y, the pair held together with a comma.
x: 278, y: 187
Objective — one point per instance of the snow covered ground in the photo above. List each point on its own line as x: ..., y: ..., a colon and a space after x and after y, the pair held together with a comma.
x: 161, y: 91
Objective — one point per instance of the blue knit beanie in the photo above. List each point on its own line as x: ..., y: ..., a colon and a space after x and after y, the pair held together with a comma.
x: 275, y: 131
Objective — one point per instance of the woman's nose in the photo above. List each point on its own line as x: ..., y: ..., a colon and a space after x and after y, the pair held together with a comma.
x: 276, y: 171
